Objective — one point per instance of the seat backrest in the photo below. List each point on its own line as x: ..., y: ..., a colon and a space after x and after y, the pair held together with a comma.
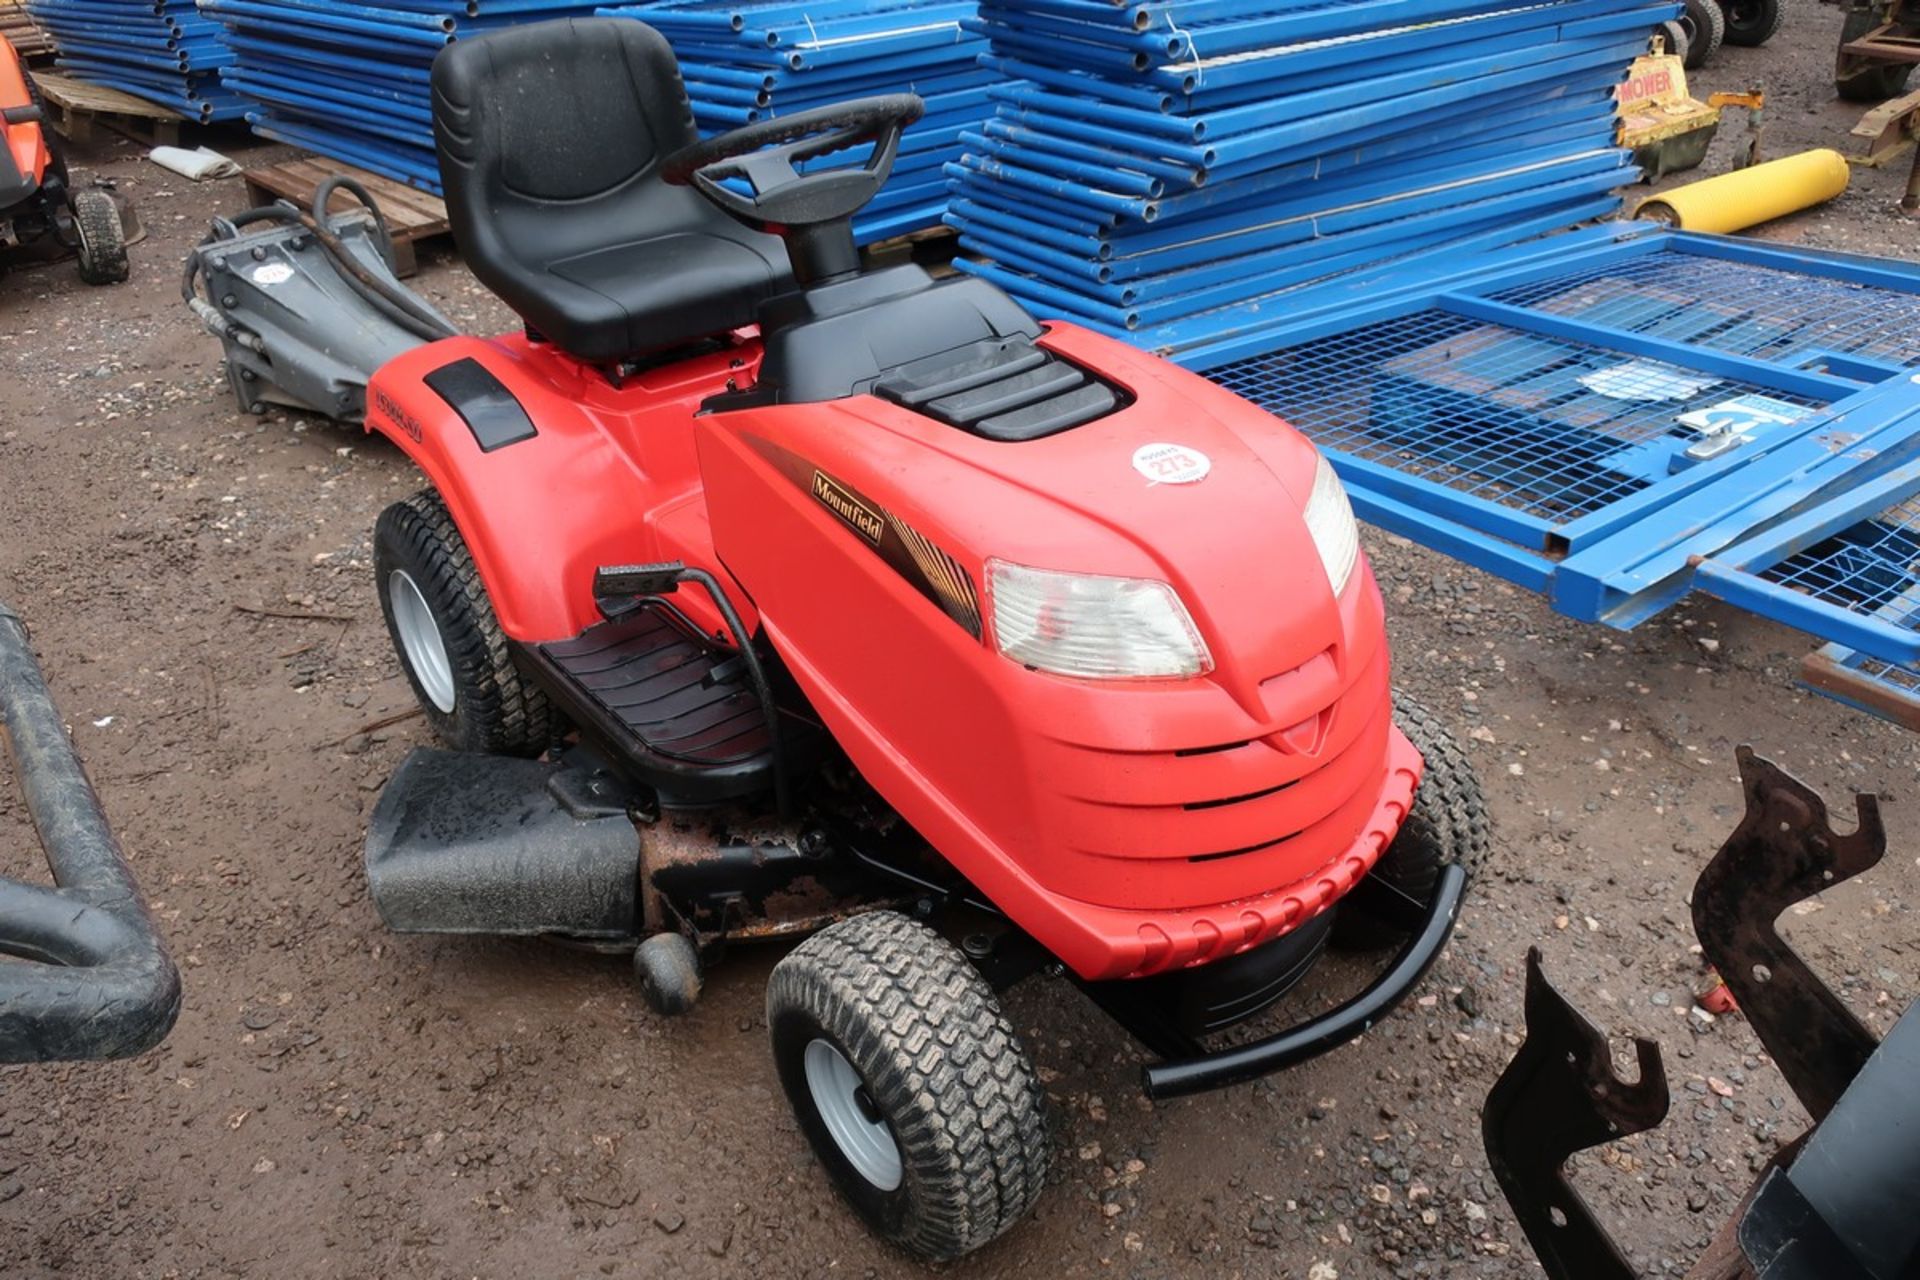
x: 550, y: 138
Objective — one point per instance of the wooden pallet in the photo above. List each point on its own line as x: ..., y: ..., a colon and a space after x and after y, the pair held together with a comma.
x: 27, y: 40
x: 75, y: 108
x: 931, y: 247
x: 412, y: 215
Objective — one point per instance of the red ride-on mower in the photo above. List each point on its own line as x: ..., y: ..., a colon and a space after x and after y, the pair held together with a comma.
x: 762, y: 596
x: 36, y: 201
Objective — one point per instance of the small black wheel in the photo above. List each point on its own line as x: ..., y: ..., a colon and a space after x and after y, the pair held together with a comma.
x: 103, y: 239
x: 669, y: 972
x: 1863, y: 79
x: 1676, y: 39
x: 1448, y: 824
x: 909, y: 1083
x: 1751, y: 23
x: 449, y: 642
x: 1706, y: 27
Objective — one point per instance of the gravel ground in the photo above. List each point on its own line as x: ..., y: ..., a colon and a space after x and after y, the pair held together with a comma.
x: 339, y: 1102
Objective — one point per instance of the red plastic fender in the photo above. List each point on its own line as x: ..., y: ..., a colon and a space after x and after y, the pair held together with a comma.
x: 609, y: 477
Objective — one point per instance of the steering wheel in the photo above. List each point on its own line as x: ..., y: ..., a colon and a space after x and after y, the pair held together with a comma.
x: 803, y: 208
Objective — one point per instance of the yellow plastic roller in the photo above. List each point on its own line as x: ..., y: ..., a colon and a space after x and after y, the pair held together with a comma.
x: 1748, y: 197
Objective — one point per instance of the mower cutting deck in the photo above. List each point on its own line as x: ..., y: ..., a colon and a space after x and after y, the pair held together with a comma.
x: 761, y: 596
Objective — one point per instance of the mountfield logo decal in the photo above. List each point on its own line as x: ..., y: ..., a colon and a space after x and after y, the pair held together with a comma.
x: 857, y: 515
x: 401, y: 418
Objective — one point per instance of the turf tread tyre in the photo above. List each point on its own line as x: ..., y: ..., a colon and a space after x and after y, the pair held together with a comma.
x: 1706, y: 27
x: 941, y: 1064
x: 103, y: 238
x: 1751, y: 23
x: 496, y: 710
x: 1448, y: 823
x: 1858, y: 79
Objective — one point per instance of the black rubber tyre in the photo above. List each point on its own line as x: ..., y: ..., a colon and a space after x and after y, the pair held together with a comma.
x: 938, y: 1065
x: 1860, y: 79
x: 494, y: 708
x: 1751, y: 23
x: 103, y: 240
x: 1448, y: 825
x: 1706, y: 27
x: 1676, y: 37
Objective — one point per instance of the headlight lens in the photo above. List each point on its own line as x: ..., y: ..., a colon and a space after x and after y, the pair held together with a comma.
x: 1101, y: 628
x: 1330, y: 521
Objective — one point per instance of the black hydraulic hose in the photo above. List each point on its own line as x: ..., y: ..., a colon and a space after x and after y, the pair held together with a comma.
x: 756, y: 672
x: 92, y: 979
x: 323, y: 196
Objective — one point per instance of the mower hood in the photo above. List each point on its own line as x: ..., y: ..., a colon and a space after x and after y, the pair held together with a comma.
x: 867, y: 535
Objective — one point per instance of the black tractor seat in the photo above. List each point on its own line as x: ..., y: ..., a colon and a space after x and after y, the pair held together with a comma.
x: 550, y: 139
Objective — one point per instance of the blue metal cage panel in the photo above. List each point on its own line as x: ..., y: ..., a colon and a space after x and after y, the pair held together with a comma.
x: 1620, y: 415
x: 1548, y: 427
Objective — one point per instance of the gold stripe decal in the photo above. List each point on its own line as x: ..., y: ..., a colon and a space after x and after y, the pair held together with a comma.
x: 952, y: 585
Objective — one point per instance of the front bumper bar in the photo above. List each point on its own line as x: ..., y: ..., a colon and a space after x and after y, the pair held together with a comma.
x: 98, y: 983
x: 1237, y: 1065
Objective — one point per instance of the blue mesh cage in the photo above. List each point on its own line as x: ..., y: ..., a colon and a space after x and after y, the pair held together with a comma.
x: 1551, y: 427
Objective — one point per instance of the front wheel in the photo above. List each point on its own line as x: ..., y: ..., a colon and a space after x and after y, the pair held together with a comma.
x: 449, y: 641
x: 909, y: 1083
x: 103, y: 238
x: 1706, y: 28
x: 1448, y: 824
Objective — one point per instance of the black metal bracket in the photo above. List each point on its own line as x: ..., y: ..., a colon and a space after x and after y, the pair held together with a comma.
x: 1785, y: 851
x: 97, y: 982
x: 1558, y: 1096
x: 1188, y: 1072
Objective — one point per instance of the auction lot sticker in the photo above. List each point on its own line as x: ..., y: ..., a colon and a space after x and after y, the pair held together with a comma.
x: 1171, y: 463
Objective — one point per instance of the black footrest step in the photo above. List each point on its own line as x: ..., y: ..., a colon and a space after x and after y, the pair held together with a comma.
x: 682, y: 714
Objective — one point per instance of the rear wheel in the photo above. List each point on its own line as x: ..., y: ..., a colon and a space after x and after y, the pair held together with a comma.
x: 1706, y: 27
x: 909, y: 1083
x: 1863, y: 79
x: 1676, y: 39
x: 449, y: 641
x: 1752, y: 22
x: 103, y: 239
x: 1448, y: 824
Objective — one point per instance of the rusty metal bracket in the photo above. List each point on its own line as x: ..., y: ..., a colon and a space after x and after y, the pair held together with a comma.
x: 1785, y: 851
x: 1886, y: 130
x: 1560, y: 1095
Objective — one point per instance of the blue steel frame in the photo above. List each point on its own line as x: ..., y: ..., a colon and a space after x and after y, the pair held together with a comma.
x: 1717, y: 526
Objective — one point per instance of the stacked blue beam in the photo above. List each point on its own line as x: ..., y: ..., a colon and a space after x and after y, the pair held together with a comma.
x: 351, y: 80
x: 749, y: 60
x: 160, y: 50
x: 1179, y: 171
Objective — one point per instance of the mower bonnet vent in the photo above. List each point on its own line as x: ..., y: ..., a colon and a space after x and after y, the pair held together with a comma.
x: 1002, y: 389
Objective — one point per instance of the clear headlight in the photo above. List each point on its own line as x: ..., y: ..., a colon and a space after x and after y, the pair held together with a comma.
x: 1076, y: 624
x: 1330, y: 520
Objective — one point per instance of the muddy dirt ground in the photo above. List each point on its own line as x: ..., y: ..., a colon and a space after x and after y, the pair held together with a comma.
x: 340, y: 1102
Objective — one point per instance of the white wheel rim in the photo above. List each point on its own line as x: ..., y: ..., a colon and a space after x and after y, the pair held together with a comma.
x: 868, y: 1145
x: 420, y: 641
